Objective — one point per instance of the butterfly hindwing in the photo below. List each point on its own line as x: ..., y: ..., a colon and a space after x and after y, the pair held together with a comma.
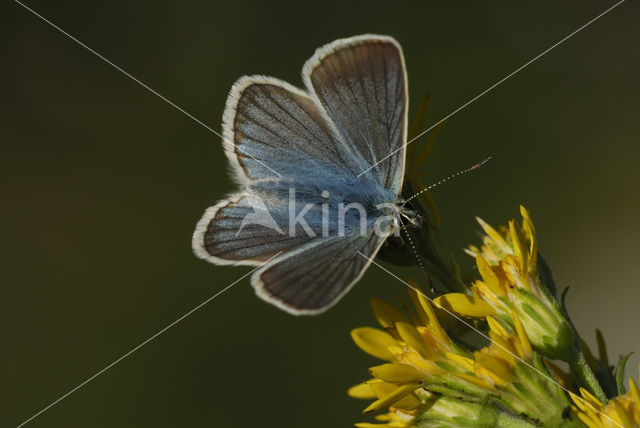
x: 312, y: 279
x: 244, y: 229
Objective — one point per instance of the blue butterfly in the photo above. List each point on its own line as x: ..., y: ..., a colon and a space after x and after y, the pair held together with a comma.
x: 320, y: 172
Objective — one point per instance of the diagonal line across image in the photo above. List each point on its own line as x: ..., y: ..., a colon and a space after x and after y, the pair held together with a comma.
x: 218, y: 134
x: 490, y: 88
x: 145, y: 342
x: 147, y: 87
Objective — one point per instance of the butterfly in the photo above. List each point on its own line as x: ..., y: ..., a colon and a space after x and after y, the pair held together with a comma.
x: 319, y: 172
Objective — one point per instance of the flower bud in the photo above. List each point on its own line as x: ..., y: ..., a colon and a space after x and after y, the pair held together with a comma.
x: 515, y: 278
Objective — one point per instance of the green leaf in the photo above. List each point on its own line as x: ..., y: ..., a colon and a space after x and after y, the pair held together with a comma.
x: 620, y: 373
x: 602, y: 348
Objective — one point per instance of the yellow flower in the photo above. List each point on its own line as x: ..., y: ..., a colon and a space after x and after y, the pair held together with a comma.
x: 515, y: 279
x: 397, y: 418
x: 424, y: 366
x: 513, y: 250
x: 620, y: 412
x: 412, y: 346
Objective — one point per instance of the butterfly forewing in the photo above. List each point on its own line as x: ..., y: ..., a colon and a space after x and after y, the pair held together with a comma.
x: 361, y: 83
x: 279, y: 129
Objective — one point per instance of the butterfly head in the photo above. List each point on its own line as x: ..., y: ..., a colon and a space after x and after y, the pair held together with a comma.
x: 394, y: 216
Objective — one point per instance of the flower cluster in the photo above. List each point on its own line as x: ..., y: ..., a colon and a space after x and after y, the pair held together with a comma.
x: 508, y: 263
x: 430, y: 378
x: 515, y: 278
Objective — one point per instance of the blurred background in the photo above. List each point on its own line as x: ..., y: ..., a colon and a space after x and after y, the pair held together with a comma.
x: 103, y: 182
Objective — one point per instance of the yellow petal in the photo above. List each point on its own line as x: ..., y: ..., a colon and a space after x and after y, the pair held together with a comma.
x: 590, y: 397
x: 464, y: 304
x: 481, y: 290
x: 522, y: 335
x: 464, y: 362
x: 434, y: 344
x: 582, y: 404
x: 397, y: 373
x: 495, y: 326
x: 510, y: 267
x: 396, y: 351
x: 381, y: 388
x: 412, y: 337
x: 362, y: 391
x: 622, y: 414
x: 489, y: 277
x: 520, y: 246
x: 472, y: 250
x: 386, y: 314
x: 432, y: 319
x: 530, y: 232
x: 370, y: 425
x: 499, y: 370
x: 426, y: 366
x: 635, y: 393
x: 408, y: 402
x: 503, y: 347
x: 588, y: 419
x: 374, y: 342
x: 391, y: 398
x: 474, y: 380
x: 494, y: 235
x: 589, y: 414
x: 489, y: 253
x: 414, y: 291
x: 382, y: 417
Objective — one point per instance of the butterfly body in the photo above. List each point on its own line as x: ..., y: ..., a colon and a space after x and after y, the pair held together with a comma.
x: 319, y: 173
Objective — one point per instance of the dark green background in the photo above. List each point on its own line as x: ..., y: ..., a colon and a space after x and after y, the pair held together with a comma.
x: 103, y: 182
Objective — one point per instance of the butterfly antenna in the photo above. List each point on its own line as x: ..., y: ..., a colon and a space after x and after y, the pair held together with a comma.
x: 414, y: 250
x: 452, y: 176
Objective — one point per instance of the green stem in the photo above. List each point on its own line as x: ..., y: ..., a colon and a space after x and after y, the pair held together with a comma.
x: 505, y: 420
x: 585, y: 376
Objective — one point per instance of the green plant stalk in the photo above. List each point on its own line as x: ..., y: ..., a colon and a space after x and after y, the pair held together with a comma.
x: 585, y: 376
x: 505, y: 420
